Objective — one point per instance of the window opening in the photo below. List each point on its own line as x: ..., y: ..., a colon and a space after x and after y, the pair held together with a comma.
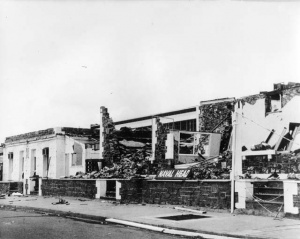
x: 273, y: 102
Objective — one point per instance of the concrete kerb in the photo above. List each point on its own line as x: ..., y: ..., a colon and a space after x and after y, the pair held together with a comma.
x: 169, y: 231
x: 104, y: 220
x: 51, y: 212
x: 183, y: 231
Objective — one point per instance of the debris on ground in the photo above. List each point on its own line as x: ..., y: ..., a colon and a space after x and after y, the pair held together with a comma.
x: 215, y: 168
x: 61, y: 201
x: 17, y: 194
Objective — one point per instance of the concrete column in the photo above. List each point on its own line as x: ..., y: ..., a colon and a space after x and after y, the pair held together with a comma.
x: 197, y: 117
x: 102, y: 110
x: 237, y: 121
x: 118, y: 187
x: 101, y: 188
x: 244, y: 188
x: 236, y: 149
x: 25, y: 185
x: 154, y: 138
x: 40, y: 187
x: 290, y: 188
x: 170, y: 146
x: 30, y: 185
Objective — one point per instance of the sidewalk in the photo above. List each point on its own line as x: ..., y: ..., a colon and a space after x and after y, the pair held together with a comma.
x: 215, y: 223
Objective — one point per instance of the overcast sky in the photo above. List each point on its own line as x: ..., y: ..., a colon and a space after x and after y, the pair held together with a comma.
x: 61, y: 60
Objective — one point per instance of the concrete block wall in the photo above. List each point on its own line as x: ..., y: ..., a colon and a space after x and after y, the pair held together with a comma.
x: 70, y: 188
x: 131, y: 191
x: 5, y: 187
x: 212, y: 194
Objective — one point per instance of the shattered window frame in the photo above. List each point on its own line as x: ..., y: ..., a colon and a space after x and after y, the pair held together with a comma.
x: 195, y: 143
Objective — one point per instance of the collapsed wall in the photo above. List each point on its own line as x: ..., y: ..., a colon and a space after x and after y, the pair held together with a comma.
x: 125, y: 152
x: 270, y: 121
x: 216, y: 117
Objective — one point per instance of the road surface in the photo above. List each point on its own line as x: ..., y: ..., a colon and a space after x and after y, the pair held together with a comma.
x: 24, y: 225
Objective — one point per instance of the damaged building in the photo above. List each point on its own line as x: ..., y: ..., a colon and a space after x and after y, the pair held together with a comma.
x: 51, y: 153
x: 267, y: 164
x: 233, y: 153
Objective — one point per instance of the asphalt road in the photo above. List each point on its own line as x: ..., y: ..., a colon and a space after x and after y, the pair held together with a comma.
x: 23, y: 225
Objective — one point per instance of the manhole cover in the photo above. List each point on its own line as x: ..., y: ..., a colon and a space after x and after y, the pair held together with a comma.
x: 184, y: 217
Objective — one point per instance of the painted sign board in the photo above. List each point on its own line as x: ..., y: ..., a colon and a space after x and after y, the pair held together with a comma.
x: 173, y: 174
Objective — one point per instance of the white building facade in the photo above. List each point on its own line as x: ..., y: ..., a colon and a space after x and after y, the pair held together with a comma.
x: 51, y: 153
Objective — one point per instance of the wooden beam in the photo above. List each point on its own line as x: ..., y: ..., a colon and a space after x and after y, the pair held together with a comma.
x: 280, y: 139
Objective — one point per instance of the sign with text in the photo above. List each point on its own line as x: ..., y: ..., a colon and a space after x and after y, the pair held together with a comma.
x: 173, y: 174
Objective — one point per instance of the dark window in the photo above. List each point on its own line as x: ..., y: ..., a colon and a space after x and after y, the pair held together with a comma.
x: 188, y: 125
x: 177, y: 125
x: 273, y: 103
x: 10, y: 155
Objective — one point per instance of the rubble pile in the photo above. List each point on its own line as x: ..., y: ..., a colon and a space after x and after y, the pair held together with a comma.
x: 132, y: 160
x: 287, y: 163
x: 126, y: 168
x: 126, y: 152
x: 215, y: 168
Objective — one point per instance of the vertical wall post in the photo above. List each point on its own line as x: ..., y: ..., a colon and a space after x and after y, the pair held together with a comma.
x: 40, y: 186
x: 101, y: 138
x: 236, y: 149
x: 197, y: 118
x: 154, y: 138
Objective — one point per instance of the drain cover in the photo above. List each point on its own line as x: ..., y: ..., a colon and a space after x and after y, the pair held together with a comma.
x: 184, y: 217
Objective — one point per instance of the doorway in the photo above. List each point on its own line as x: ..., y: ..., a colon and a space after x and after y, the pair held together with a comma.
x: 46, y: 162
x: 21, y: 165
x: 33, y: 162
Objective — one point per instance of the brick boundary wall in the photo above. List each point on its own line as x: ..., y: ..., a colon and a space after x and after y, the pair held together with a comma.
x: 190, y: 193
x: 70, y: 188
x: 5, y: 187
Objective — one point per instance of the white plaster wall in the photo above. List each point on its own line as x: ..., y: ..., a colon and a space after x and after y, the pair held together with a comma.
x: 170, y: 146
x: 69, y: 142
x: 255, y: 133
x: 60, y: 155
x: 86, y: 154
x: 245, y: 192
x: 38, y: 146
x: 290, y: 189
x: 92, y: 154
x: 77, y: 168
